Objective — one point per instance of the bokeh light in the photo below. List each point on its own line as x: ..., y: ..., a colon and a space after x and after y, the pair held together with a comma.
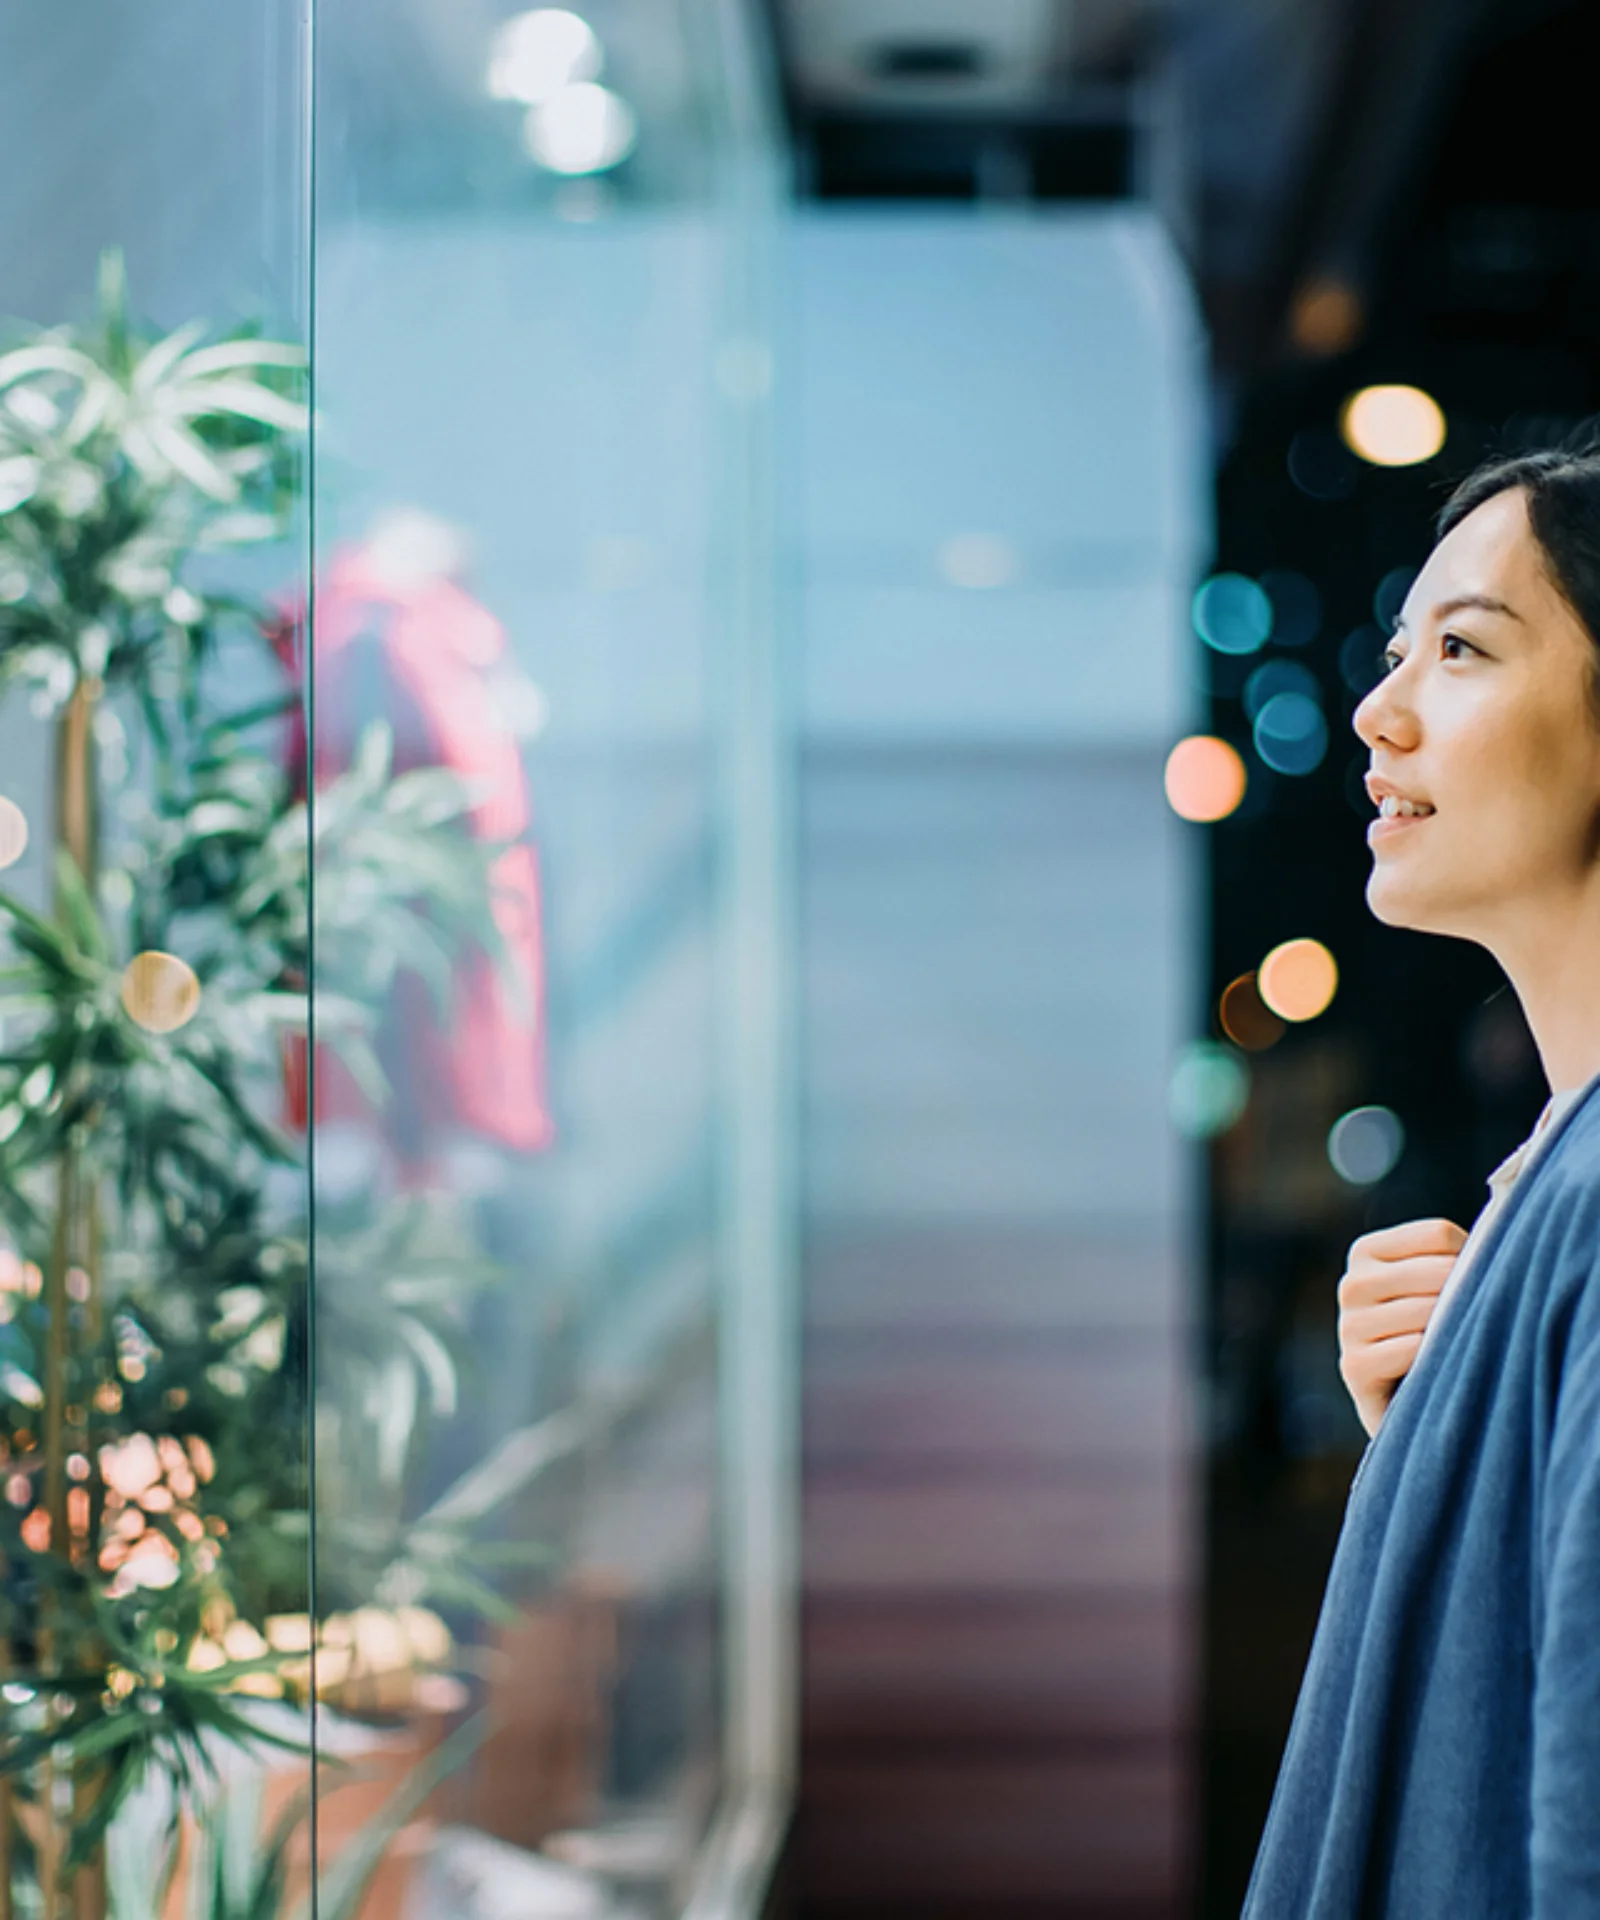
x: 13, y: 832
x: 1298, y: 979
x: 1275, y: 677
x: 1393, y: 426
x: 159, y: 991
x: 1321, y: 465
x: 536, y: 54
x: 1246, y: 1018
x: 1233, y: 613
x: 1389, y: 597
x: 1205, y: 779
x: 1361, y: 659
x: 1326, y: 316
x: 583, y: 129
x: 1290, y: 733
x: 1296, y: 607
x: 1365, y: 1145
x: 1209, y: 1089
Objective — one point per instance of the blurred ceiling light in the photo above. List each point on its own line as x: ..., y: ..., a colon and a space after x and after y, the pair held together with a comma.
x: 1232, y: 613
x: 1365, y: 1145
x: 1326, y: 316
x: 1209, y: 1089
x: 1392, y: 426
x: 159, y: 991
x: 1246, y: 1018
x: 1205, y: 779
x: 1290, y: 733
x: 1298, y: 979
x: 535, y: 55
x: 13, y: 832
x: 977, y: 560
x: 583, y: 129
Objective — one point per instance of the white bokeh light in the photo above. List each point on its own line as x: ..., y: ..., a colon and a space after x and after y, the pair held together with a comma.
x: 583, y: 129
x: 536, y: 55
x: 1365, y: 1145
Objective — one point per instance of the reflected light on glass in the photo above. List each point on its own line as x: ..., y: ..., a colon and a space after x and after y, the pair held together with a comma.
x: 536, y: 55
x: 1290, y: 733
x: 1205, y: 779
x: 1365, y: 1145
x: 13, y: 832
x: 1393, y: 426
x: 977, y: 560
x: 1298, y: 979
x: 583, y: 129
x: 1233, y: 614
x: 159, y: 991
x: 1209, y: 1089
x: 1246, y: 1018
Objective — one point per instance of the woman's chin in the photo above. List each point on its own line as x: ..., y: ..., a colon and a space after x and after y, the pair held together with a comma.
x: 1394, y: 903
x: 1398, y: 904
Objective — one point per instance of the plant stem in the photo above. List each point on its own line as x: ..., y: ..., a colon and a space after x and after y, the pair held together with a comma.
x: 76, y: 836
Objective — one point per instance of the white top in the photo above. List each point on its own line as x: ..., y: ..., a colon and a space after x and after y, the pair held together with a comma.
x: 1501, y: 1181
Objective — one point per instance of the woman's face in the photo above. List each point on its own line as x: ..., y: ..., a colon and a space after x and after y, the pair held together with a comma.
x: 1485, y: 724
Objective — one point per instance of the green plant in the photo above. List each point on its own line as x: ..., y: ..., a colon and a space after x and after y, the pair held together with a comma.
x: 154, y: 1262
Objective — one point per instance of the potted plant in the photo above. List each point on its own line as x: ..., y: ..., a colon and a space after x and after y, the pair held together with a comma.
x: 155, y: 1316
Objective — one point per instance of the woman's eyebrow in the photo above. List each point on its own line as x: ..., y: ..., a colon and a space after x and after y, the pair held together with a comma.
x: 1485, y: 602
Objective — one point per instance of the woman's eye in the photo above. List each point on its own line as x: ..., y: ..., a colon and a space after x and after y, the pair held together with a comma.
x: 1454, y: 647
x: 1389, y: 660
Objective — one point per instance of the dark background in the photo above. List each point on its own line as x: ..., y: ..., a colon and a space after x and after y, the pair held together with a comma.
x: 1422, y: 171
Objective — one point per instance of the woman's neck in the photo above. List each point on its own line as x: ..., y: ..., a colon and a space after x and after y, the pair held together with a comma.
x: 1553, y: 964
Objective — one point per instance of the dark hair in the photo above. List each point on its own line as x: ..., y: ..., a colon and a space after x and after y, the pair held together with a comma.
x: 1562, y: 490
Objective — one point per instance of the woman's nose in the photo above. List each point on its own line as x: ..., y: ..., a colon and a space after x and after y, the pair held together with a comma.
x: 1386, y: 715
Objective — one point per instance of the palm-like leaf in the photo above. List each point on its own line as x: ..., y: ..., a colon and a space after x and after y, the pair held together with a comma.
x: 122, y: 457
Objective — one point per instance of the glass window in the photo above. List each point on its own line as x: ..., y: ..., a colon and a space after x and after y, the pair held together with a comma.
x: 393, y: 1193
x: 154, y: 1324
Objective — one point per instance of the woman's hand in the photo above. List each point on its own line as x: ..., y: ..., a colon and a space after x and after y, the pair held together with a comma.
x: 1386, y: 1299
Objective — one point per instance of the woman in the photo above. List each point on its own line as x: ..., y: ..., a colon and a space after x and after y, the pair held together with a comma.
x: 1445, y: 1755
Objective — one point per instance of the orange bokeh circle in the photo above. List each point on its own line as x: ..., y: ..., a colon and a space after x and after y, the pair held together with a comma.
x: 1205, y: 779
x: 1298, y: 979
x: 1246, y: 1018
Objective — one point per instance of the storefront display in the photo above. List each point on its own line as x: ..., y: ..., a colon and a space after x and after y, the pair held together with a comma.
x: 393, y: 1209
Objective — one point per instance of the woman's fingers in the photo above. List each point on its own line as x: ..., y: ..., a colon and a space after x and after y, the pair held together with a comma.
x: 1387, y: 1318
x: 1390, y: 1289
x: 1366, y: 1282
x: 1379, y: 1363
x: 1410, y: 1238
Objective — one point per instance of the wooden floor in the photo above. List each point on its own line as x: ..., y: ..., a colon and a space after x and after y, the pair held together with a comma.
x: 999, y: 1626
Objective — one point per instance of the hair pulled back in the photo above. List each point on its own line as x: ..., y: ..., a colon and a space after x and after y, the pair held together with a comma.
x: 1562, y: 492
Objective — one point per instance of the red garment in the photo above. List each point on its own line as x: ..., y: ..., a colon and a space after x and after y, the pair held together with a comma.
x: 434, y: 646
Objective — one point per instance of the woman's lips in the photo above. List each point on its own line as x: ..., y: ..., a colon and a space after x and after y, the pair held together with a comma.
x: 1383, y: 830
